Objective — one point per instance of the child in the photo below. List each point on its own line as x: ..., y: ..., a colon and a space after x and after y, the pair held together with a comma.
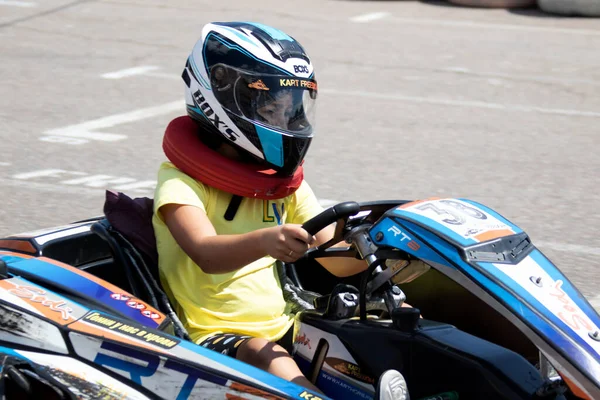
x: 250, y: 90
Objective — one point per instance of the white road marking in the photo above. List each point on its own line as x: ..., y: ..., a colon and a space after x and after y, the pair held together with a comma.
x: 138, y: 186
x: 463, y: 103
x: 124, y: 73
x: 99, y: 181
x: 85, y: 131
x: 450, y: 102
x: 64, y: 179
x: 370, y: 17
x: 145, y: 188
x: 486, y: 25
x: 518, y: 77
x: 495, y: 82
x: 23, y: 4
x: 45, y: 173
x: 82, y: 182
x: 4, y: 164
x: 458, y: 70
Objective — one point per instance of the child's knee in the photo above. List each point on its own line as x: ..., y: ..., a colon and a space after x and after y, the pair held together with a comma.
x: 260, y: 352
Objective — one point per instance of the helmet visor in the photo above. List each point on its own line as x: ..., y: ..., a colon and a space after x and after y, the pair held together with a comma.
x: 286, y: 103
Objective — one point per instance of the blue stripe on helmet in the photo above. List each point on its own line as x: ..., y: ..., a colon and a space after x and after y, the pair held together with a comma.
x: 274, y: 33
x: 239, y: 34
x: 272, y: 144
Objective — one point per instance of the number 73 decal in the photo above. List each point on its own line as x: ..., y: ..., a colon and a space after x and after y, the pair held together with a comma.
x: 462, y: 218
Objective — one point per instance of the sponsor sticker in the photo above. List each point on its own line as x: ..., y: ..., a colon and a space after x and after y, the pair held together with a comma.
x: 119, y: 296
x: 303, y: 340
x: 130, y: 329
x: 136, y: 305
x: 349, y: 369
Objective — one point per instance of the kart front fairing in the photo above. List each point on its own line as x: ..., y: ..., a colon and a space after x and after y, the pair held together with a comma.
x: 495, y: 260
x: 64, y: 329
x: 491, y: 301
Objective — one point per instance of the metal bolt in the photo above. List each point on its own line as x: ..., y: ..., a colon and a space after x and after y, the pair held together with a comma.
x: 595, y: 335
x: 536, y: 280
x: 379, y: 236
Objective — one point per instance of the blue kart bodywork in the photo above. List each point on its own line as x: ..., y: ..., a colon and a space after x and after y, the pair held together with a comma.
x: 81, y: 312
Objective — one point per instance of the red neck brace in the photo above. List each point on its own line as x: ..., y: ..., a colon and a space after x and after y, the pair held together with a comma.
x: 183, y: 148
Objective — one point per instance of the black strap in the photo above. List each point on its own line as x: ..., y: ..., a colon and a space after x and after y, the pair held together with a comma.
x: 234, y: 204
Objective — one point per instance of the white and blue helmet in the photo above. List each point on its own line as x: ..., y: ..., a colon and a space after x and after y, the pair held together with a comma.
x: 254, y: 86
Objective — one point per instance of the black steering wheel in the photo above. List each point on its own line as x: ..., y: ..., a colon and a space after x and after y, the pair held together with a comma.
x: 342, y: 213
x: 339, y: 213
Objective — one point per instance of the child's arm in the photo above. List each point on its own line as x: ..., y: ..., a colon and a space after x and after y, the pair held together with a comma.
x: 338, y: 266
x: 218, y: 254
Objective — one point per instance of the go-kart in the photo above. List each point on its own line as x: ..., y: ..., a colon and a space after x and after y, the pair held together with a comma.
x: 490, y: 316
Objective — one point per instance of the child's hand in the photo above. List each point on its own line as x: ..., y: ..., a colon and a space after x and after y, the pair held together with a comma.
x: 286, y: 242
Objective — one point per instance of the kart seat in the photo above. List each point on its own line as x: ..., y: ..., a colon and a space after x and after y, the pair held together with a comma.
x: 128, y: 231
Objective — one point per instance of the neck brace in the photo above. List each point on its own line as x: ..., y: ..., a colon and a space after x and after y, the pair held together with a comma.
x: 183, y: 148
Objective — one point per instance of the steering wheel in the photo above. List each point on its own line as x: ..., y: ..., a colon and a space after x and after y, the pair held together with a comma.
x: 339, y: 213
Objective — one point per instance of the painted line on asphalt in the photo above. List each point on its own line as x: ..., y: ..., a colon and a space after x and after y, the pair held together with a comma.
x: 79, y: 179
x: 85, y: 131
x: 144, y: 188
x: 83, y: 183
x: 517, y: 77
x: 444, y: 102
x: 23, y: 4
x: 4, y: 164
x: 124, y: 73
x: 462, y: 103
x: 488, y: 25
x: 370, y: 17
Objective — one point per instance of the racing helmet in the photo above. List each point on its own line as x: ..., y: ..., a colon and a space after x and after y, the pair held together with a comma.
x: 253, y: 86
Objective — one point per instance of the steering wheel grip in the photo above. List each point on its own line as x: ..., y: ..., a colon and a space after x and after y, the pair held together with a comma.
x: 331, y: 215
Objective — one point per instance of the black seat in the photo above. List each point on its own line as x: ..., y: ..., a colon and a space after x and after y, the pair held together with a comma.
x: 128, y: 231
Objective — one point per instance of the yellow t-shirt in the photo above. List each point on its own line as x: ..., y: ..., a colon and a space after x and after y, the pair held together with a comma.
x: 247, y: 301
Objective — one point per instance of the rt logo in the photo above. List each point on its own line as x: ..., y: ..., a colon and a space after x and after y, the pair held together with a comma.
x: 301, y: 68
